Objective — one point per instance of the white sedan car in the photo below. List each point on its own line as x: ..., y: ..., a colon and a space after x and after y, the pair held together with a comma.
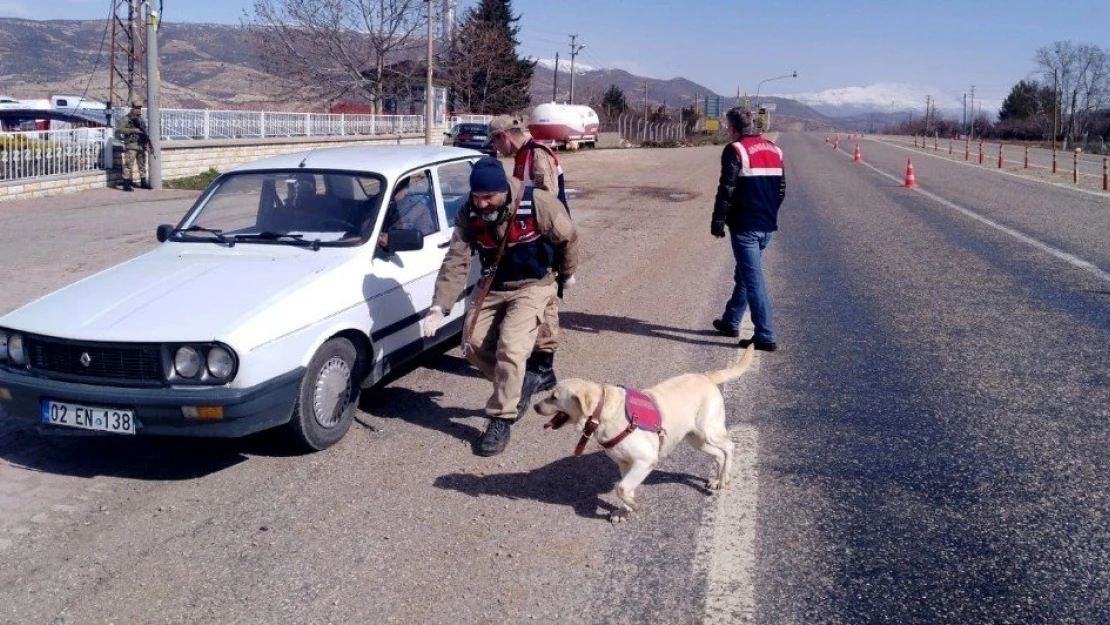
x: 290, y: 284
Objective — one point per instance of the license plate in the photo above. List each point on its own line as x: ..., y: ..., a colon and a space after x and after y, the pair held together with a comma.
x: 88, y: 417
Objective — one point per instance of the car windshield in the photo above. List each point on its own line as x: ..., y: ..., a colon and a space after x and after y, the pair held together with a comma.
x: 329, y: 207
x: 472, y: 129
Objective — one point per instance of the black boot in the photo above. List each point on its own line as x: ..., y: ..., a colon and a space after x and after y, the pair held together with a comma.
x: 144, y: 184
x: 126, y: 185
x: 539, y: 376
x: 495, y: 438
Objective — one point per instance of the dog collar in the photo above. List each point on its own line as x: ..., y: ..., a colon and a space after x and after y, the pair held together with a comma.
x: 591, y: 426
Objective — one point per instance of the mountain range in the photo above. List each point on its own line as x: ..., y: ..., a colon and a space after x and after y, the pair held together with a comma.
x: 212, y: 66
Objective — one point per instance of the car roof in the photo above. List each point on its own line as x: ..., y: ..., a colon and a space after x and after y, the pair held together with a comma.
x: 389, y: 160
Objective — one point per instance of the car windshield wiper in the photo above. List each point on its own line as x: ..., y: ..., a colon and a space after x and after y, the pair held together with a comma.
x: 297, y: 240
x: 220, y: 236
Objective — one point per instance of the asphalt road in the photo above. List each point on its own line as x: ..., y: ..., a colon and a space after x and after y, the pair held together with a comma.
x: 928, y: 445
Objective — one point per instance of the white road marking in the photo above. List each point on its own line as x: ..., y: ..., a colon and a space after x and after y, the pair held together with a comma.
x: 1071, y: 259
x: 726, y: 538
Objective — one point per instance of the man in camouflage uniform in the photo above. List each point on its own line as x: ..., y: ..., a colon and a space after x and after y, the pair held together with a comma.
x: 136, y: 141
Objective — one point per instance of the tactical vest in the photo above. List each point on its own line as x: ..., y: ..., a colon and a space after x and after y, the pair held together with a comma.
x: 528, y: 254
x: 523, y: 168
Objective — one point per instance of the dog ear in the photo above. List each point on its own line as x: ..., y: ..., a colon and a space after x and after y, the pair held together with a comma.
x: 586, y: 400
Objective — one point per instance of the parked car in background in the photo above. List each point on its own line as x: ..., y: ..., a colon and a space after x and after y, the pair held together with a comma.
x: 473, y: 136
x: 28, y: 119
x: 270, y: 304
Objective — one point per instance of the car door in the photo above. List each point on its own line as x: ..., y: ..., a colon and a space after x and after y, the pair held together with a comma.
x: 453, y: 186
x: 399, y: 289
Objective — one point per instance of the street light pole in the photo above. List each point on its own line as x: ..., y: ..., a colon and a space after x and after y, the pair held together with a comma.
x: 428, y: 91
x: 793, y: 74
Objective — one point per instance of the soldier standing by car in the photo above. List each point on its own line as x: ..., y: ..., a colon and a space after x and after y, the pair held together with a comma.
x: 536, y: 165
x: 523, y: 237
x: 136, y: 141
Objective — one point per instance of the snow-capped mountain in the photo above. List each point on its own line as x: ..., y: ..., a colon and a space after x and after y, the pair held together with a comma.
x: 886, y: 98
x: 564, y: 65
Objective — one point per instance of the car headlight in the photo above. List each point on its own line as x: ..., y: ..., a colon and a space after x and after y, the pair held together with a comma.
x: 220, y: 363
x: 15, y: 349
x: 187, y: 362
x: 3, y: 345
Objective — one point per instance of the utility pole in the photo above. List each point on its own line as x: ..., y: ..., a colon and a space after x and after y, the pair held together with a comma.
x: 153, y: 107
x: 645, y: 97
x: 574, y: 50
x: 429, y: 91
x: 971, y: 126
x: 128, y: 50
x: 928, y: 100
x: 963, y: 124
x: 555, y: 81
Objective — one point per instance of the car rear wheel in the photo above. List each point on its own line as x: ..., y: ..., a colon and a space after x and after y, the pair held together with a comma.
x: 329, y: 393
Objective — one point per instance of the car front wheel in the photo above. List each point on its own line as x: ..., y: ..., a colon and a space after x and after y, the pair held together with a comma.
x: 328, y: 396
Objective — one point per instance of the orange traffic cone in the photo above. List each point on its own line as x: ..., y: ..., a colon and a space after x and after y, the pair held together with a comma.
x: 856, y: 156
x: 911, y: 182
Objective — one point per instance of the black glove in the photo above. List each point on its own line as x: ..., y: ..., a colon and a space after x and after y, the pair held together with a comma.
x: 717, y: 229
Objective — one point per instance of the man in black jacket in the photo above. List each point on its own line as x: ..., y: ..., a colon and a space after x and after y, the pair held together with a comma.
x: 749, y: 194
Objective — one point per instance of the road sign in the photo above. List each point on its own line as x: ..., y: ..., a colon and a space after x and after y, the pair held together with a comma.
x: 712, y: 107
x: 770, y: 106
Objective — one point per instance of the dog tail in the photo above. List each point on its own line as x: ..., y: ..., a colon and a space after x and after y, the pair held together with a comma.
x: 724, y: 375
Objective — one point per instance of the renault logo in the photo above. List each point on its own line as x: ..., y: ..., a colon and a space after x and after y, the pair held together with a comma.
x: 86, y: 359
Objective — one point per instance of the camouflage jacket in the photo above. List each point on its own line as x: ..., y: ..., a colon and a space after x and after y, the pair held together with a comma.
x: 132, y: 131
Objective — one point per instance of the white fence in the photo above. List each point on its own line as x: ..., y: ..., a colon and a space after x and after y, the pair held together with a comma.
x: 186, y: 124
x: 37, y: 154
x: 40, y: 153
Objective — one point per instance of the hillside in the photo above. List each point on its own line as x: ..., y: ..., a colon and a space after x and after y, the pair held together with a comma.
x: 213, y: 66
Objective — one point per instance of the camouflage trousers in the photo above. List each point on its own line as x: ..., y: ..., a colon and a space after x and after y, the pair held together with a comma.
x: 131, y: 158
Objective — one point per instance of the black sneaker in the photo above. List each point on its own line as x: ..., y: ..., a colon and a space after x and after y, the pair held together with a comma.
x: 765, y: 346
x: 724, y: 330
x: 495, y: 438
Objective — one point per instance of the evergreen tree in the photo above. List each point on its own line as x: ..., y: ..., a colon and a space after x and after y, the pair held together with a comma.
x: 485, y: 72
x: 1026, y: 98
x: 613, y: 103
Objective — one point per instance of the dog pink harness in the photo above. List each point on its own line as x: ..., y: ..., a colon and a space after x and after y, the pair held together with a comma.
x: 641, y: 411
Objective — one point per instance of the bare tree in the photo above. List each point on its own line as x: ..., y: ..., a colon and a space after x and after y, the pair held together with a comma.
x: 1081, y: 75
x: 332, y: 49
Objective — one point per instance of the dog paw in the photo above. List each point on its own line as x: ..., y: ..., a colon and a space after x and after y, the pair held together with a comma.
x: 717, y: 485
x: 618, y: 516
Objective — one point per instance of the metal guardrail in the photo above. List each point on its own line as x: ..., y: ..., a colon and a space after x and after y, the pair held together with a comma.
x: 40, y: 153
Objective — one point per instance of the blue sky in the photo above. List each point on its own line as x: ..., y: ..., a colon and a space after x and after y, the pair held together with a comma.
x: 730, y: 44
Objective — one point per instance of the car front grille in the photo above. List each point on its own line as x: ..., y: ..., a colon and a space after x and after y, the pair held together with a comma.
x: 130, y: 362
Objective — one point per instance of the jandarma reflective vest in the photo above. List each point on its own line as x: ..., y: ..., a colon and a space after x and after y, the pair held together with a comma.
x: 528, y: 254
x: 523, y: 168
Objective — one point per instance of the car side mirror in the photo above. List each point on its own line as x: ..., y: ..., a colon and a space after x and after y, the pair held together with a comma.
x: 163, y: 232
x: 405, y: 240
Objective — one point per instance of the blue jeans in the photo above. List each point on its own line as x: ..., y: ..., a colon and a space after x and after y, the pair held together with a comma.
x: 750, y: 289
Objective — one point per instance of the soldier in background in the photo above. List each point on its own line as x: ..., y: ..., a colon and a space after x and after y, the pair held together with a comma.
x: 136, y: 141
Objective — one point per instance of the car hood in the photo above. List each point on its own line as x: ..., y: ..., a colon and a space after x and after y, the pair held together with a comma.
x: 180, y: 292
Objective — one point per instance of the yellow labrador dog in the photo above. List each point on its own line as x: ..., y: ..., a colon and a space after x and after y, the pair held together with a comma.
x: 690, y: 407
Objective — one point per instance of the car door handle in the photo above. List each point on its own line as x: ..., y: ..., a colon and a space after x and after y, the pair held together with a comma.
x: 444, y: 245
